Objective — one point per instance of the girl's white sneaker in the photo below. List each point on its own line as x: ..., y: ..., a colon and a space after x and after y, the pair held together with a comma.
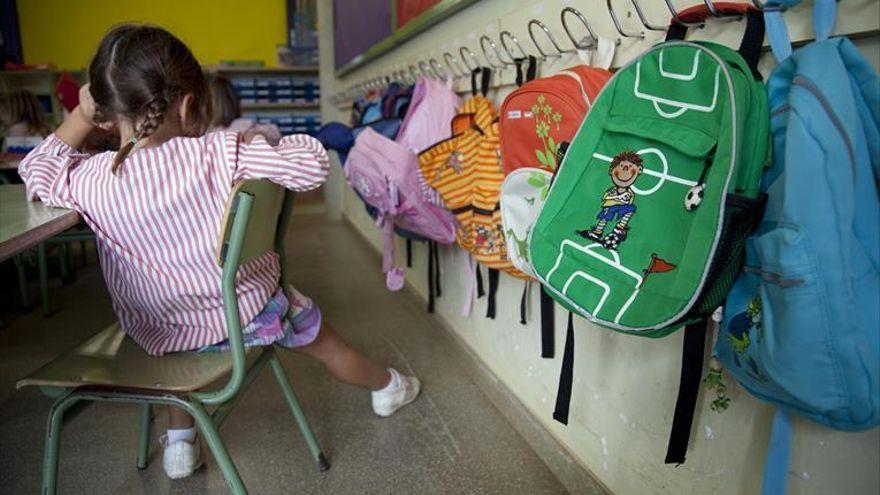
x: 400, y: 391
x: 180, y: 459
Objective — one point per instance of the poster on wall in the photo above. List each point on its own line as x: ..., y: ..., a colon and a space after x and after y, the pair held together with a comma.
x: 366, y: 29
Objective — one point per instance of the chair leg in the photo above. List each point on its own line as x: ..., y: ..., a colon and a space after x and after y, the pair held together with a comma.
x: 22, y: 282
x: 64, y: 260
x: 53, y: 443
x: 221, y: 455
x: 44, y: 277
x: 298, y: 414
x: 143, y: 453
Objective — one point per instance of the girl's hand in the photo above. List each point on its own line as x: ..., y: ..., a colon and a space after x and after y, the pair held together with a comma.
x: 86, y: 105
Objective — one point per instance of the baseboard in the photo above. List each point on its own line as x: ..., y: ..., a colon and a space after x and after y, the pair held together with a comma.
x: 575, y: 476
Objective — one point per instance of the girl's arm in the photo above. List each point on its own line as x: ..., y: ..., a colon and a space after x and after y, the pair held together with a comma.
x: 298, y: 162
x: 46, y: 169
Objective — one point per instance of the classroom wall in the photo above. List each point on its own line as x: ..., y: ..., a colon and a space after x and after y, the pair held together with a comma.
x: 67, y: 33
x: 624, y: 387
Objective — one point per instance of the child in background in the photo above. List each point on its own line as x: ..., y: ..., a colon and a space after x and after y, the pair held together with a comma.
x: 226, y: 113
x: 156, y: 207
x: 22, y: 115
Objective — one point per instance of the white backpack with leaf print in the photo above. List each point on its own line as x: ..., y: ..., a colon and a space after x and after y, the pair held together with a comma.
x: 522, y: 197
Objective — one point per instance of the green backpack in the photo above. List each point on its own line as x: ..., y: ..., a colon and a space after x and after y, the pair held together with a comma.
x: 643, y: 228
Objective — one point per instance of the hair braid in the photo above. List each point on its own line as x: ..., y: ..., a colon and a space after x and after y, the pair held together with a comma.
x: 153, y: 118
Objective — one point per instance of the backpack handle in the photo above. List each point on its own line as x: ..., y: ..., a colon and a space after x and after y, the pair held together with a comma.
x: 531, y: 64
x: 486, y: 74
x: 824, y: 16
x: 753, y: 38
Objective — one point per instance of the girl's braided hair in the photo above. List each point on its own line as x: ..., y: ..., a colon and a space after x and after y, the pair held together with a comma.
x: 139, y: 73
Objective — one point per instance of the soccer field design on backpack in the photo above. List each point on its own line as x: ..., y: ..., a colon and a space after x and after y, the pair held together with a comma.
x: 634, y: 216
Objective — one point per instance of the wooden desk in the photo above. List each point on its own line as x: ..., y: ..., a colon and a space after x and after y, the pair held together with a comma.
x: 24, y: 224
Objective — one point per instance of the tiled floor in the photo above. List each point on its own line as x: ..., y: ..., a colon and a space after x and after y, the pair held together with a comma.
x: 452, y: 440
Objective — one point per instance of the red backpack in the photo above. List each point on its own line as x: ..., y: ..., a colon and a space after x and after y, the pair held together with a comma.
x: 542, y: 113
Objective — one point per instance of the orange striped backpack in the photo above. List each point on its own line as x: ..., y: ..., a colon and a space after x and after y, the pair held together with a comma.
x: 466, y: 171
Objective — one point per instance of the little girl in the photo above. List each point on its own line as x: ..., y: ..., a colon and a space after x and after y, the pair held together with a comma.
x: 156, y: 206
x: 21, y: 115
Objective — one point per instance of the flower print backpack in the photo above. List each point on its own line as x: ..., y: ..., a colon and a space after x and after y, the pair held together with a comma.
x: 466, y: 171
x: 542, y: 113
x: 643, y: 228
x: 801, y: 327
x: 387, y: 176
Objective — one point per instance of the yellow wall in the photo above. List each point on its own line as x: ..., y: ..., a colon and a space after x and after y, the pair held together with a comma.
x: 67, y: 33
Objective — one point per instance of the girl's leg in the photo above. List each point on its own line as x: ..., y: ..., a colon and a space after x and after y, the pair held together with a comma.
x: 178, y: 419
x: 344, y: 362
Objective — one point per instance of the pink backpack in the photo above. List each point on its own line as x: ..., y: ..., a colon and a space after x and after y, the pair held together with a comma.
x: 431, y: 109
x: 387, y: 176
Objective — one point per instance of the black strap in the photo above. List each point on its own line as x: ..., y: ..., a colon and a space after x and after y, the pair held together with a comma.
x: 431, y: 294
x: 566, y: 375
x: 560, y: 154
x: 493, y: 290
x: 437, y: 287
x: 693, y: 349
x: 486, y: 78
x: 409, y: 253
x: 522, y: 303
x: 480, y: 291
x: 548, y: 330
x: 531, y: 64
x: 676, y: 31
x: 753, y: 39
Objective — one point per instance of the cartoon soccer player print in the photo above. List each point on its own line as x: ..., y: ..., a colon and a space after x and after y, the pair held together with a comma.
x: 617, y: 202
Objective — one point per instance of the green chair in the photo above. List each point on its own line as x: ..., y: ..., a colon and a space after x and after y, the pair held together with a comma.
x: 110, y: 367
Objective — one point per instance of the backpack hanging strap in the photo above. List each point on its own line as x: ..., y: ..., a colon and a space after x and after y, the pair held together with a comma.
x: 409, y: 253
x: 522, y: 302
x: 689, y: 388
x: 566, y: 375
x: 548, y: 330
x: 493, y: 290
x: 437, y: 287
x: 486, y: 78
x: 531, y: 65
x: 778, y: 455
x: 431, y: 273
x: 480, y: 291
x: 753, y: 39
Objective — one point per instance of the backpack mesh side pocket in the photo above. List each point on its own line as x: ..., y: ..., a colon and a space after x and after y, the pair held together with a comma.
x: 741, y: 217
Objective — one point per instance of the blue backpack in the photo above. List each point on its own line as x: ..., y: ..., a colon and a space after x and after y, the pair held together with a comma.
x: 801, y: 325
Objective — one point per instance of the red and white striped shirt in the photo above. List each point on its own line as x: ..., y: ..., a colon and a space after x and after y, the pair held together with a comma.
x: 158, y: 220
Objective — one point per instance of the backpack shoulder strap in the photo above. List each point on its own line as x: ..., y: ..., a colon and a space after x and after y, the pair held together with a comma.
x: 692, y: 352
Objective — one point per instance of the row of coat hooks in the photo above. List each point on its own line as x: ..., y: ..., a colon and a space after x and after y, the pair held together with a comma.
x: 511, y: 47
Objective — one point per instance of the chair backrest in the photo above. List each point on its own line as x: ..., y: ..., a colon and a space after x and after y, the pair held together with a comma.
x: 263, y: 228
x: 255, y: 221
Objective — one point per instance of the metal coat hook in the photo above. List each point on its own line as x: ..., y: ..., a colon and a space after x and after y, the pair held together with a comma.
x: 591, y: 41
x: 560, y: 51
x: 438, y: 69
x: 457, y: 71
x: 425, y: 69
x: 617, y: 25
x: 412, y: 73
x: 677, y: 19
x: 711, y: 6
x: 515, y: 41
x: 644, y: 19
x: 483, y: 40
x: 465, y: 52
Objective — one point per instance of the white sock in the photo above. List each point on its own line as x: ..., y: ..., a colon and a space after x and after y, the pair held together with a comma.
x: 392, y: 384
x: 187, y: 434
